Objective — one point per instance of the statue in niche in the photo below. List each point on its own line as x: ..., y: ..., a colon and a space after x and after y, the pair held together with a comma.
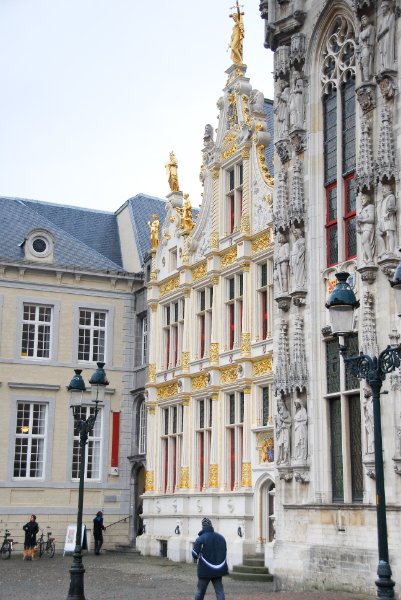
x: 368, y: 413
x: 298, y: 258
x: 386, y: 36
x: 237, y: 36
x: 296, y: 104
x: 282, y: 262
x: 172, y: 173
x: 281, y: 109
x: 387, y: 225
x: 186, y: 222
x: 154, y: 232
x: 365, y: 222
x: 283, y: 428
x: 300, y: 430
x: 365, y: 48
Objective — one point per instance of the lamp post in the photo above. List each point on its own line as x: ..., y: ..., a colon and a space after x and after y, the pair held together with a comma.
x: 82, y: 426
x: 342, y: 304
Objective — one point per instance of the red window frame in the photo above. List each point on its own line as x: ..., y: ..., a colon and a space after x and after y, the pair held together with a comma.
x: 264, y: 314
x: 330, y: 224
x: 165, y: 444
x: 202, y: 335
x: 231, y: 325
x: 231, y: 215
x: 168, y: 349
x: 201, y: 458
x: 174, y: 443
x: 232, y: 458
x: 175, y: 346
x: 348, y: 215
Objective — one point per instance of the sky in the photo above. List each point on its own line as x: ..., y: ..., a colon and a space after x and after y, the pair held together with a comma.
x: 96, y: 93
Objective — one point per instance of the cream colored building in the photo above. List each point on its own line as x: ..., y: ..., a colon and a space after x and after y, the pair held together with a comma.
x: 209, y: 391
x: 336, y: 206
x: 70, y: 280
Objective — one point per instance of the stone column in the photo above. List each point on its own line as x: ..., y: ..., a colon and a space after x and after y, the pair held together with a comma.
x: 214, y: 334
x: 153, y: 343
x: 150, y: 450
x: 184, y: 468
x: 246, y: 319
x: 246, y: 475
x: 186, y: 353
x: 214, y: 445
x: 245, y: 224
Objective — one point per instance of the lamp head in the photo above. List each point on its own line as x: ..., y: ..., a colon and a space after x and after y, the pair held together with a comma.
x: 98, y: 382
x: 342, y: 304
x: 76, y: 388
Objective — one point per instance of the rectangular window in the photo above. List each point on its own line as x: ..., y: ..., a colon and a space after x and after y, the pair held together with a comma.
x: 92, y: 448
x: 30, y: 437
x: 172, y: 334
x: 37, y: 323
x: 92, y: 335
x: 171, y: 446
x: 173, y: 259
x: 203, y: 437
x: 234, y: 432
x: 337, y: 475
x: 265, y: 299
x: 142, y: 429
x: 266, y: 408
x: 234, y: 195
x: 144, y: 340
x: 350, y: 216
x: 204, y: 318
x: 234, y: 311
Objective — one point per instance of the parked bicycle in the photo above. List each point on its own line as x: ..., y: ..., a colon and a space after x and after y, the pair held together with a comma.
x: 7, y: 545
x: 48, y: 546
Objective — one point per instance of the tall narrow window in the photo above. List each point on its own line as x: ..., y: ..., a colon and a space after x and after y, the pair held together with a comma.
x: 171, y: 444
x: 204, y: 316
x: 172, y: 333
x: 338, y: 76
x: 92, y: 448
x: 265, y: 299
x: 144, y: 340
x: 234, y: 310
x: 30, y: 436
x: 234, y: 194
x: 234, y: 436
x: 142, y: 429
x: 91, y: 335
x: 204, y: 436
x: 37, y: 323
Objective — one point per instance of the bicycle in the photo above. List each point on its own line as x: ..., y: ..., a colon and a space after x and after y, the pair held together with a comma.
x: 48, y: 546
x: 7, y: 545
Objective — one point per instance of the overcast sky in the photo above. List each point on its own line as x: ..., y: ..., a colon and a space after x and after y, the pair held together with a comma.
x: 96, y: 93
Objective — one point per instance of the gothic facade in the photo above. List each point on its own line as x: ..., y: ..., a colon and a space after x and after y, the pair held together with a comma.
x: 209, y: 392
x: 337, y: 140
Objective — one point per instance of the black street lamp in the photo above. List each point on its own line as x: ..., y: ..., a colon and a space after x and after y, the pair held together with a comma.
x: 76, y: 388
x: 373, y: 369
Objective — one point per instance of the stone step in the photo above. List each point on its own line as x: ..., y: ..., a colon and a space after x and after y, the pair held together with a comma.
x: 253, y: 561
x: 247, y: 569
x: 267, y: 577
x: 124, y: 549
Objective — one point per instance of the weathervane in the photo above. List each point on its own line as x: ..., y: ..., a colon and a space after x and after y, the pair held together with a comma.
x: 236, y: 43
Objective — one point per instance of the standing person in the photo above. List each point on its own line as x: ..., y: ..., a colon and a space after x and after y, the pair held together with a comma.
x: 31, y: 529
x: 210, y: 550
x: 98, y: 529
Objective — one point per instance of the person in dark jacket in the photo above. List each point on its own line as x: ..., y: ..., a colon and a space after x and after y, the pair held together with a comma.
x: 210, y: 550
x: 31, y: 529
x: 98, y: 531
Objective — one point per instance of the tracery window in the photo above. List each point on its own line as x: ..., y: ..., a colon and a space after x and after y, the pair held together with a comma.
x: 204, y: 319
x: 203, y: 439
x: 234, y: 436
x: 173, y: 326
x: 265, y: 299
x: 338, y: 99
x: 171, y: 442
x: 234, y: 294
x: 234, y: 182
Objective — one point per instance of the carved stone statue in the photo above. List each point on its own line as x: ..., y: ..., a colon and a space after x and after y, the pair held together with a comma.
x: 257, y: 102
x: 237, y: 36
x: 208, y: 135
x: 365, y: 48
x: 281, y: 109
x: 298, y: 259
x: 386, y: 36
x: 365, y: 221
x: 283, y: 428
x: 282, y: 262
x: 154, y: 232
x: 172, y: 173
x: 296, y: 105
x: 387, y: 225
x: 369, y: 424
x: 300, y: 430
x: 186, y: 222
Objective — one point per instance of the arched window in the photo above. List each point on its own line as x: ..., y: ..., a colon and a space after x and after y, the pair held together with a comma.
x: 142, y: 429
x: 338, y: 98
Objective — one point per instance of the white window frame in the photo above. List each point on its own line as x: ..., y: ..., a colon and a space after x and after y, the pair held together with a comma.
x: 206, y: 313
x: 237, y: 302
x: 233, y: 194
x: 206, y: 430
x: 268, y: 289
x: 144, y: 339
x: 173, y: 328
x: 143, y: 413
x: 237, y: 426
x: 95, y: 441
x: 109, y: 310
x: 37, y: 323
x: 168, y: 439
x: 54, y: 333
x: 30, y: 437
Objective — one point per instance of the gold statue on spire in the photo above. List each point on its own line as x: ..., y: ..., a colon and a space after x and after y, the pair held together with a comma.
x: 172, y: 173
x: 237, y: 35
x: 186, y: 222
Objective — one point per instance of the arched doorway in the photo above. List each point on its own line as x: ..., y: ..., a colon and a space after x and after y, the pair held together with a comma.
x: 264, y: 522
x: 137, y: 489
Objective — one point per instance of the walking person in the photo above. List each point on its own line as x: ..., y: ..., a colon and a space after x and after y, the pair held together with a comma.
x: 31, y: 529
x: 210, y: 550
x: 98, y: 529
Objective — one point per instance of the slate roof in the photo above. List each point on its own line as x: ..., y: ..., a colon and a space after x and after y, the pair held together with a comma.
x: 84, y: 238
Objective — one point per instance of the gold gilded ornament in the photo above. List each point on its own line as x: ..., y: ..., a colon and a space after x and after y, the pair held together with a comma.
x: 185, y: 361
x: 169, y: 286
x: 186, y: 222
x: 200, y: 381
x: 229, y: 374
x: 199, y: 271
x: 167, y: 390
x: 184, y: 478
x: 172, y: 173
x: 263, y: 241
x: 246, y: 479
x: 245, y: 343
x: 237, y: 36
x: 263, y: 166
x: 262, y: 367
x: 213, y: 476
x: 154, y: 231
x: 151, y: 373
x: 149, y: 481
x: 229, y: 257
x: 214, y: 351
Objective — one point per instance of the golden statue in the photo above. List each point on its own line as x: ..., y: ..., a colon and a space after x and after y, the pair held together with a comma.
x: 237, y: 36
x: 154, y: 232
x: 186, y: 222
x: 172, y: 173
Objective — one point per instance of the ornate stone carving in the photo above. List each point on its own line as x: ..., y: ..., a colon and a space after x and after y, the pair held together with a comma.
x: 213, y: 476
x: 300, y: 431
x: 214, y: 240
x: 368, y: 342
x: 200, y: 382
x: 169, y: 286
x: 298, y: 140
x: 245, y: 343
x: 282, y: 150
x: 368, y: 416
x: 151, y: 373
x: 262, y: 242
x: 281, y: 375
x: 366, y: 97
x: 298, y: 260
x: 262, y: 367
x: 298, y: 372
x: 386, y: 36
x: 298, y: 47
x: 387, y: 225
x: 149, y: 481
x: 229, y: 257
x: 281, y: 61
x: 282, y: 261
x: 386, y: 152
x: 301, y: 477
x: 281, y: 220
x: 365, y: 48
x: 199, y: 271
x: 281, y: 109
x: 229, y: 374
x: 214, y: 352
x: 387, y: 85
x: 296, y: 102
x: 365, y: 168
x: 339, y: 55
x: 365, y: 221
x: 246, y: 475
x: 268, y: 179
x: 283, y: 433
x: 167, y: 390
x: 245, y: 224
x: 184, y: 478
x: 297, y: 204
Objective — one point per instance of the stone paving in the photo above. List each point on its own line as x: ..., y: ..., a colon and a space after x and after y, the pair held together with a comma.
x: 112, y: 576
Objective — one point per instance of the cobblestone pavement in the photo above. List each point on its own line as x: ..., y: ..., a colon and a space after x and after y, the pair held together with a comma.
x: 112, y: 576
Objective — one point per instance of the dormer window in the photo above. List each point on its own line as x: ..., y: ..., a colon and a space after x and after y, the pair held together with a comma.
x: 39, y: 245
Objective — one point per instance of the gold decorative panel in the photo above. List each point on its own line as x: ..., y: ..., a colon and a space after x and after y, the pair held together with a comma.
x: 167, y: 391
x: 214, y: 352
x: 229, y: 257
x: 169, y: 286
x: 263, y: 241
x: 200, y: 381
x: 262, y: 367
x: 265, y: 447
x: 214, y: 476
x: 229, y: 374
x: 263, y: 166
x: 184, y: 478
x: 245, y: 343
x: 151, y: 372
x: 246, y: 479
x: 185, y: 361
x: 199, y: 271
x: 149, y: 481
